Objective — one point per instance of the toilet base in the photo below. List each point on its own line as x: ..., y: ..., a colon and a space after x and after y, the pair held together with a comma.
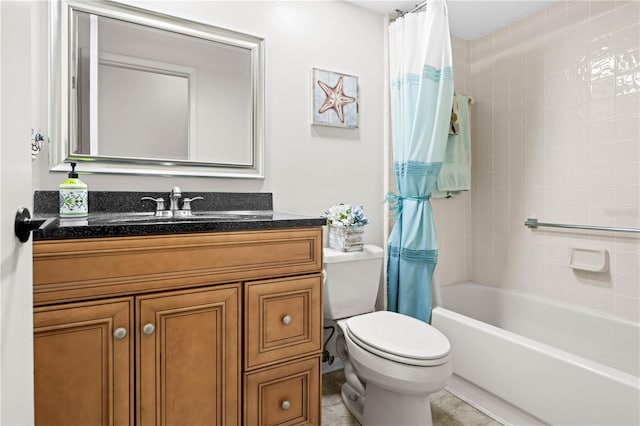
x: 353, y: 401
x: 383, y: 408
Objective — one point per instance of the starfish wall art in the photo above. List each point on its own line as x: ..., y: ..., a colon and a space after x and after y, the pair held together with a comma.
x: 335, y: 99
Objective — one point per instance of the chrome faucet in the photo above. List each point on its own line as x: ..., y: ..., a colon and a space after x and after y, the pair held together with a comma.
x: 176, y: 194
x: 174, y: 209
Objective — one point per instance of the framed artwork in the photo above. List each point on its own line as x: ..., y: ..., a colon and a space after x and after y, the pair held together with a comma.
x: 335, y: 99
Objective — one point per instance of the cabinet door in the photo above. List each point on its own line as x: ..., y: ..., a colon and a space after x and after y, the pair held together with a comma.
x: 188, y: 357
x: 83, y: 363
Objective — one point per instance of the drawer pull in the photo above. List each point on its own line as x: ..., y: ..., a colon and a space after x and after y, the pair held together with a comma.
x: 285, y: 405
x: 120, y: 333
x: 286, y: 320
x: 148, y: 328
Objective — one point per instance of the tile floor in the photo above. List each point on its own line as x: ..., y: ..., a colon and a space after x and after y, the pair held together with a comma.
x: 447, y: 409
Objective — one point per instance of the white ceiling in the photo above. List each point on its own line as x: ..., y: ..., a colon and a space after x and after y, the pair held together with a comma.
x: 468, y: 19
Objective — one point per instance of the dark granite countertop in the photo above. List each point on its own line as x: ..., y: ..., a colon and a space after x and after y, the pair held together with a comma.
x: 123, y: 214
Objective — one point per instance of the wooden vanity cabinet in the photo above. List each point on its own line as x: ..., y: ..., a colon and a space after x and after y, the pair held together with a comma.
x: 177, y: 329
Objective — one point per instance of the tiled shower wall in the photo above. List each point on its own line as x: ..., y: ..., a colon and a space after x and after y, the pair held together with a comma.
x: 555, y: 136
x: 453, y: 215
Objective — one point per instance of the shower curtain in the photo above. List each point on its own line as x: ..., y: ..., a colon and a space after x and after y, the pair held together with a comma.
x: 421, y: 98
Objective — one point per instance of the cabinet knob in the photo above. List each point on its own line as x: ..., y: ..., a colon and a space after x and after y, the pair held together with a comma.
x: 286, y: 320
x: 120, y: 333
x: 285, y: 405
x: 148, y: 328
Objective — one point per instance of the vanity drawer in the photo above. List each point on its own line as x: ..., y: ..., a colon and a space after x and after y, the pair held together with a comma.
x: 287, y: 394
x: 282, y: 319
x: 81, y: 269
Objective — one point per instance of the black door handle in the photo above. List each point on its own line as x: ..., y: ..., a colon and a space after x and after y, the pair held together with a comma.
x: 24, y: 224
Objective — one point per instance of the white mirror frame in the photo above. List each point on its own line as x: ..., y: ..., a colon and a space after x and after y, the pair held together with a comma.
x: 59, y: 110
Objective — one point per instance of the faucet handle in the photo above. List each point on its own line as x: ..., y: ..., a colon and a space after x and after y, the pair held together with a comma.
x: 186, y: 202
x: 159, y: 203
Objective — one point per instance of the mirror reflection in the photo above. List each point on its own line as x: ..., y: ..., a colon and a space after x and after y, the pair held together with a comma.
x: 153, y: 90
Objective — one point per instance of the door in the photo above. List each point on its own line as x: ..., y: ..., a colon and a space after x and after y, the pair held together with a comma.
x: 83, y: 355
x: 189, y: 357
x: 16, y: 311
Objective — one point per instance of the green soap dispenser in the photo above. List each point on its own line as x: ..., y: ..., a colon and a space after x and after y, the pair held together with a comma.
x: 74, y: 200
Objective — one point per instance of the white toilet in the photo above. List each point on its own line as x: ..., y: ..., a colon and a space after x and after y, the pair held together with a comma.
x: 392, y: 362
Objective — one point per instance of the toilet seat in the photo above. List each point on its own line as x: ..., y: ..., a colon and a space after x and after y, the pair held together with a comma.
x: 399, y: 338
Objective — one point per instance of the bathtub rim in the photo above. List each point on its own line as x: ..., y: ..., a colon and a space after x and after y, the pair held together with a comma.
x: 565, y: 305
x: 601, y: 369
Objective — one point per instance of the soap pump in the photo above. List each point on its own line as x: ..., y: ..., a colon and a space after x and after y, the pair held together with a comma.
x: 73, y: 196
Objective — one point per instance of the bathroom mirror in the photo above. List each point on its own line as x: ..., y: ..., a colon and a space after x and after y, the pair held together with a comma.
x: 139, y: 92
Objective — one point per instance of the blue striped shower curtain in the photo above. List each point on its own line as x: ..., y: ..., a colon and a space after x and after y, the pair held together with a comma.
x: 421, y: 98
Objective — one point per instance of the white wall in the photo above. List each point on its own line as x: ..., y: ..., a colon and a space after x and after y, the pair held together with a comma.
x: 308, y: 168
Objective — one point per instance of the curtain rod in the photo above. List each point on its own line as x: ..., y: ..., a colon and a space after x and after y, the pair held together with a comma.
x: 415, y: 9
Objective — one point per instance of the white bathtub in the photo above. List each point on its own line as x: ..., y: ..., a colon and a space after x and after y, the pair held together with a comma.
x: 558, y: 364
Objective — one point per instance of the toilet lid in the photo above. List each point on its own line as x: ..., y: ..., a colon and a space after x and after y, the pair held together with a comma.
x: 399, y: 338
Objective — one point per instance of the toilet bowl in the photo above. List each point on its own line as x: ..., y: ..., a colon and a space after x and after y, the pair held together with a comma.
x: 392, y: 362
x: 395, y: 362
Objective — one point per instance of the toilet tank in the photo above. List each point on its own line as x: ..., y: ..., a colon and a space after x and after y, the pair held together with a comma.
x: 351, y: 281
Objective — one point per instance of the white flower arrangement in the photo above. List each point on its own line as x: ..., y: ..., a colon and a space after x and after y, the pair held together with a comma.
x: 346, y: 215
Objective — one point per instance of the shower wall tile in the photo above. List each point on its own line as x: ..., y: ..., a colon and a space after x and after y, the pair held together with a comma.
x: 627, y: 263
x: 628, y: 14
x: 601, y: 7
x: 453, y: 215
x: 577, y: 12
x: 628, y: 106
x: 626, y: 37
x: 626, y: 286
x: 628, y: 308
x: 601, y: 131
x: 577, y: 294
x: 602, y: 301
x: 601, y: 26
x: 627, y: 128
x: 556, y: 136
